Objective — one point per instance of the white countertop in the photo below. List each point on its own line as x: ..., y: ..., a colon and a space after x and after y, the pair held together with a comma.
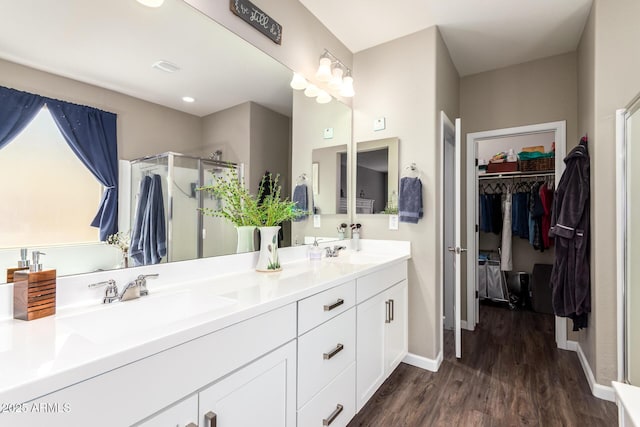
x: 87, y: 338
x: 629, y: 397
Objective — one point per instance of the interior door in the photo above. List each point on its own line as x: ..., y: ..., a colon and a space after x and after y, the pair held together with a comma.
x: 458, y: 241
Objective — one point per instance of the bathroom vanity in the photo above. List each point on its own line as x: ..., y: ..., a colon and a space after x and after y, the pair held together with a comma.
x: 306, y: 346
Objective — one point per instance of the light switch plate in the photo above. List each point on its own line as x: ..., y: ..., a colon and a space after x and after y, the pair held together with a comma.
x: 379, y: 124
x: 316, y: 221
x: 328, y: 133
x: 393, y: 222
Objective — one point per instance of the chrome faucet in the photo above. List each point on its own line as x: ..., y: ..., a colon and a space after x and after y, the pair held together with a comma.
x: 110, y: 292
x: 142, y: 282
x: 333, y: 253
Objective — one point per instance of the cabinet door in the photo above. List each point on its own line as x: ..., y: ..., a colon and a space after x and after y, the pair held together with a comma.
x: 181, y: 414
x: 371, y: 316
x: 262, y: 393
x: 396, y: 333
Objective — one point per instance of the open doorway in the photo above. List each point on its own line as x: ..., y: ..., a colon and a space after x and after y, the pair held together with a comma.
x: 505, y: 267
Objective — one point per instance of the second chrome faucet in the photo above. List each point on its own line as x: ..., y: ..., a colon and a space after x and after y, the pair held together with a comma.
x: 133, y: 290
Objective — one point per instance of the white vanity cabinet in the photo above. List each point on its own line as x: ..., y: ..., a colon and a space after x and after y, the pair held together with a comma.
x: 381, y: 329
x: 248, y: 357
x: 182, y: 414
x: 326, y: 357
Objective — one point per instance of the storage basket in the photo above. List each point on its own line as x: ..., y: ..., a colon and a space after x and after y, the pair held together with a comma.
x: 536, y: 165
x: 502, y: 167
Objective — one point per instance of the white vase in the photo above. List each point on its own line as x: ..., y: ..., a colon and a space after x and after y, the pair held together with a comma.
x: 268, y: 260
x: 245, y: 239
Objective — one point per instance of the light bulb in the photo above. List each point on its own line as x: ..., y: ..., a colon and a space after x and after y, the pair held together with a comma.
x: 323, y: 97
x: 336, y: 78
x: 346, y: 89
x: 298, y: 82
x: 312, y: 91
x: 324, y: 70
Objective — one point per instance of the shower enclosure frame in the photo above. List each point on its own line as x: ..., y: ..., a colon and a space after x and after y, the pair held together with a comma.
x: 203, y: 165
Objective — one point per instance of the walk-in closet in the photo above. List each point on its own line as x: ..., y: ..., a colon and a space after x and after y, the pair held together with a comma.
x: 516, y: 184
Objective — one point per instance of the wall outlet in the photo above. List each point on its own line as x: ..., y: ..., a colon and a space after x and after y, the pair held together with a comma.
x: 379, y: 124
x: 316, y: 221
x: 393, y: 222
x: 328, y: 133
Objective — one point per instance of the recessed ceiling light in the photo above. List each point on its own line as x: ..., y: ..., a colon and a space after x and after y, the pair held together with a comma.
x: 151, y: 3
x: 188, y: 99
x: 165, y: 66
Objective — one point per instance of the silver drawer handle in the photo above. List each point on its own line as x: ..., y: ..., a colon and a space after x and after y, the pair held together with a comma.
x: 387, y: 314
x: 334, y: 305
x: 212, y: 418
x: 333, y: 416
x: 338, y: 349
x: 393, y: 310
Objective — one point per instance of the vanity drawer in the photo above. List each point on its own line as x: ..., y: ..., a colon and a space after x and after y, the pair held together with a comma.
x: 324, y: 352
x: 374, y: 283
x: 336, y: 403
x: 326, y: 305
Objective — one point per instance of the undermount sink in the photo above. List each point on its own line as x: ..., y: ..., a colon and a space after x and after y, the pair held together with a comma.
x: 113, y: 321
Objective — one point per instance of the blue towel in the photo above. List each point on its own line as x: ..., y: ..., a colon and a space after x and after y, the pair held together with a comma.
x: 135, y: 249
x: 149, y: 240
x: 301, y: 199
x: 410, y: 200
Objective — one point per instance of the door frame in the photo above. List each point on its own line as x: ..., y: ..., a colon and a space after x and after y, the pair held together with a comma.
x: 446, y: 125
x: 560, y: 129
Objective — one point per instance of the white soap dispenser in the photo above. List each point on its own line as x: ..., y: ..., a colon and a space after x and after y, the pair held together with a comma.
x: 315, y: 253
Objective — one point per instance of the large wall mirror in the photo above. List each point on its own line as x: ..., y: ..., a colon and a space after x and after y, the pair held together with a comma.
x: 376, y: 176
x: 320, y: 152
x: 102, y: 56
x: 629, y: 241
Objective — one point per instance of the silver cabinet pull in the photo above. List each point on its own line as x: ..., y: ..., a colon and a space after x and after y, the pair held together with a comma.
x: 211, y: 418
x: 393, y: 310
x: 334, y: 305
x: 387, y: 314
x: 191, y: 425
x: 338, y: 349
x: 333, y: 416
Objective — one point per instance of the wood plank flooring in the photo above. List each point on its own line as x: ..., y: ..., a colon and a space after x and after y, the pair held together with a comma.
x: 511, y: 374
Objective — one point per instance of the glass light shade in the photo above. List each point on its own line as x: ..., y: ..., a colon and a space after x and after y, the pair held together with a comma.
x: 324, y: 70
x: 312, y: 90
x: 323, y: 97
x: 346, y: 89
x: 336, y: 78
x: 298, y: 82
x: 151, y: 3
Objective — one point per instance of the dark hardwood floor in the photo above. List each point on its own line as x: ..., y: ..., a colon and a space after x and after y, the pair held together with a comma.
x: 511, y: 374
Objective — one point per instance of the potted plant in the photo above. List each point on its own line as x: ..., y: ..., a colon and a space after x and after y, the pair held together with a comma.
x: 246, y: 211
x: 236, y: 205
x: 121, y: 240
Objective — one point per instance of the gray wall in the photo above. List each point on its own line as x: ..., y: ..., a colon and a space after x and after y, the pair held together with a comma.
x: 143, y: 128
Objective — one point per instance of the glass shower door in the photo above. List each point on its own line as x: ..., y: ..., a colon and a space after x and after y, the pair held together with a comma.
x: 183, y: 226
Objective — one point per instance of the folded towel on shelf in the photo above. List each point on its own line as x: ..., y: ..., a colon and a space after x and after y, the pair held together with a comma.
x: 410, y: 200
x: 300, y: 197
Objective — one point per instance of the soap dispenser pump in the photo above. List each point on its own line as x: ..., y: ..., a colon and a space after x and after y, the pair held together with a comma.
x: 315, y: 253
x: 23, y: 264
x: 35, y: 264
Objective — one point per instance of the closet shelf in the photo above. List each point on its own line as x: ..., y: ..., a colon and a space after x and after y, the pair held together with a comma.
x: 518, y: 174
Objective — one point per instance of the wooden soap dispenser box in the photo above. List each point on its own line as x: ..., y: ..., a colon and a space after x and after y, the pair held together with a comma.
x: 34, y: 291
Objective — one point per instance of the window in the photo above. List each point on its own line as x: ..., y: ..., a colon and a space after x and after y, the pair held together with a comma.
x: 48, y: 196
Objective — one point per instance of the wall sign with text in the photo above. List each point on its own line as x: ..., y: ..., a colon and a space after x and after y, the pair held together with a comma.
x: 259, y: 20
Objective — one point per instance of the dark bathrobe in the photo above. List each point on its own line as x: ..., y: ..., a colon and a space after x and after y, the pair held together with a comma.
x: 570, y: 279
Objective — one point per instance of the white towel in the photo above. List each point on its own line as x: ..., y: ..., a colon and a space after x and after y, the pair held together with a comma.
x: 506, y: 263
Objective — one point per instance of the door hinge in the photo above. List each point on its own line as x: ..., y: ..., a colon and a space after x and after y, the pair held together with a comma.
x: 477, y: 296
x: 477, y: 228
x: 476, y: 162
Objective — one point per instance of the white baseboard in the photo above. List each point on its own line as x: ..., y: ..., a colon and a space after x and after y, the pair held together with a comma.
x: 598, y: 390
x: 571, y: 346
x: 422, y: 362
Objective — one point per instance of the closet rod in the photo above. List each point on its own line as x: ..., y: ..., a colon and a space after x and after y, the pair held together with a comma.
x: 513, y: 175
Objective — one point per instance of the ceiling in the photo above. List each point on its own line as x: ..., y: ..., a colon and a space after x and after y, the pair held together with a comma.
x: 481, y: 35
x: 113, y: 43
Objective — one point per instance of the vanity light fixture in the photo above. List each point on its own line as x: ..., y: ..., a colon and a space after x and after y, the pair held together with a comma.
x: 151, y: 3
x: 336, y: 77
x: 346, y: 89
x: 312, y: 91
x: 298, y: 82
x: 188, y: 99
x: 323, y: 97
x: 324, y: 69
